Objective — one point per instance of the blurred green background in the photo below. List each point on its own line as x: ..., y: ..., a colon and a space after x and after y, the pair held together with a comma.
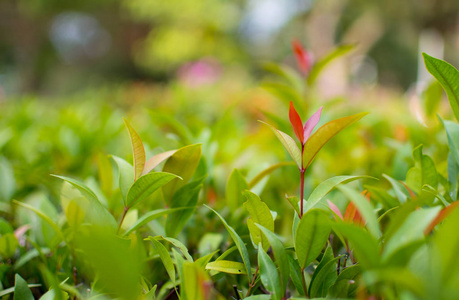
x: 52, y: 48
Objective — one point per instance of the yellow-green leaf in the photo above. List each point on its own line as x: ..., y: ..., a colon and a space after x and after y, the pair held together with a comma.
x: 234, y: 187
x: 324, y: 134
x: 226, y: 266
x: 289, y: 144
x: 138, y: 151
x: 183, y: 163
x: 239, y: 244
x: 259, y: 213
x: 165, y: 258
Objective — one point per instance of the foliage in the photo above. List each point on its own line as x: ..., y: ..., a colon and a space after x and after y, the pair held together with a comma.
x: 193, y: 218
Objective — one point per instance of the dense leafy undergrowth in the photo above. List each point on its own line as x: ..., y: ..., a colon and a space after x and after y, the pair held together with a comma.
x: 209, y: 207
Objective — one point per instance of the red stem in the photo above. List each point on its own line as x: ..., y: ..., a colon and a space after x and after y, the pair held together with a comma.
x: 302, y: 170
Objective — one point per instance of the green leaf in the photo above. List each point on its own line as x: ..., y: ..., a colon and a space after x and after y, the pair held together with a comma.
x: 146, y: 185
x: 399, y: 189
x: 21, y: 289
x: 452, y: 132
x: 177, y: 244
x: 150, y: 216
x: 448, y: 76
x: 183, y: 163
x: 423, y: 172
x: 327, y: 186
x: 11, y: 289
x: 179, y: 262
x: 280, y: 256
x: 239, y: 244
x: 125, y: 174
x: 268, y: 274
x: 226, y: 266
x: 324, y: 134
x: 432, y: 97
x: 8, y: 245
x: 259, y: 213
x: 165, y: 258
x: 195, y: 281
x: 289, y: 144
x: 412, y: 230
x: 342, y: 286
x: 293, y: 200
x: 234, y: 187
x: 323, y: 62
x: 365, y: 208
x: 365, y: 246
x: 204, y: 260
x: 324, y: 279
x: 295, y: 274
x: 186, y: 196
x: 96, y: 213
x: 115, y: 262
x: 51, y: 295
x: 43, y: 217
x: 311, y: 235
x: 446, y: 241
x: 138, y: 151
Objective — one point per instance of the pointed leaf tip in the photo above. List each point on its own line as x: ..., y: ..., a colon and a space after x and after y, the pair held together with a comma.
x: 138, y: 150
x: 295, y: 120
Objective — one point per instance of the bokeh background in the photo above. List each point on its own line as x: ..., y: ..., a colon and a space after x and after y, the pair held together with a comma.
x: 55, y: 48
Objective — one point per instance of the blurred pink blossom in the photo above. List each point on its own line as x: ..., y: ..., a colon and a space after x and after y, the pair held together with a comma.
x: 199, y: 73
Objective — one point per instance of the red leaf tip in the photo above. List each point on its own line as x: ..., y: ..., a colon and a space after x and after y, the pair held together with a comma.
x: 297, y: 125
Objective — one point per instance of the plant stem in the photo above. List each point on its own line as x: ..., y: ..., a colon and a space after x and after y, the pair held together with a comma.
x: 303, y: 281
x: 251, y: 284
x: 122, y: 219
x: 302, y: 170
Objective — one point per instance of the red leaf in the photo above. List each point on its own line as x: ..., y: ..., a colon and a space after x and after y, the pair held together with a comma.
x: 303, y: 58
x: 311, y: 123
x: 297, y: 125
x: 352, y: 213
